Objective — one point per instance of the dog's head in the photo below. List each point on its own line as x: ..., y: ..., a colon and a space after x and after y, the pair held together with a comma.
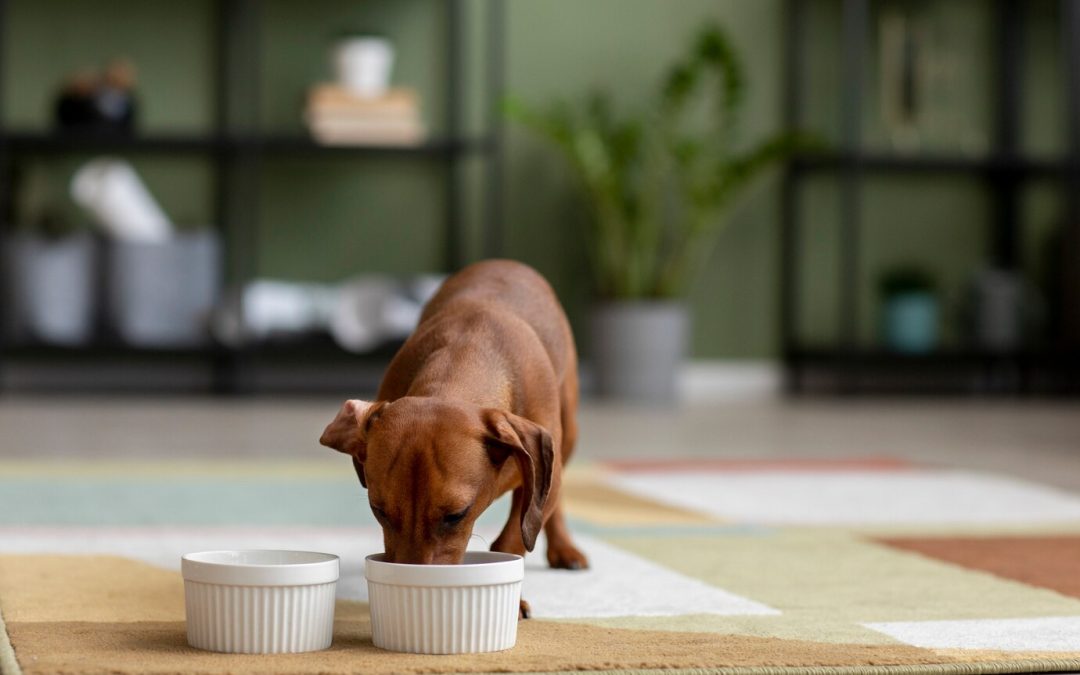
x: 431, y: 467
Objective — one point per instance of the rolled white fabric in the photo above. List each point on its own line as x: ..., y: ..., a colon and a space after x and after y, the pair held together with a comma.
x: 112, y: 191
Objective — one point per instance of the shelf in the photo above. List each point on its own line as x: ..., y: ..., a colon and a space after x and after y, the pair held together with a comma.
x: 55, y: 143
x: 103, y: 352
x: 303, y: 145
x: 314, y: 347
x: 941, y: 356
x: 885, y: 163
x: 948, y: 371
x: 277, y: 145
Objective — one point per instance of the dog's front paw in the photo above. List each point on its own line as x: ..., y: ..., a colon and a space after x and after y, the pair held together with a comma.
x: 565, y: 556
x: 524, y: 612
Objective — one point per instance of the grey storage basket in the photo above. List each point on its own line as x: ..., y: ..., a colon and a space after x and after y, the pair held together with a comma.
x: 51, y: 289
x: 161, y: 294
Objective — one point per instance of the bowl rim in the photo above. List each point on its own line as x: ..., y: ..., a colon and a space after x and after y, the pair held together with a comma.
x: 496, y: 568
x: 325, y: 568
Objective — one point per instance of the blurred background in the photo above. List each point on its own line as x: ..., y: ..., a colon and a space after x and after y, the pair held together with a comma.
x: 821, y: 259
x: 810, y: 197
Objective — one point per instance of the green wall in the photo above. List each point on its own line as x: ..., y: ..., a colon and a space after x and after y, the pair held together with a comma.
x: 327, y: 218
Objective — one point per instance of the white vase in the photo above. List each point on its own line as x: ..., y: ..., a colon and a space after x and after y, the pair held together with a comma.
x: 363, y: 65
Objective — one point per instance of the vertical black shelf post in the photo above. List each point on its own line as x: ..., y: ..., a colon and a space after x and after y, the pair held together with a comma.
x: 1010, y: 55
x: 789, y: 206
x: 452, y: 190
x: 224, y: 23
x: 238, y: 173
x: 492, y: 245
x: 855, y: 19
x: 1008, y: 372
x: 5, y: 208
x: 1069, y: 338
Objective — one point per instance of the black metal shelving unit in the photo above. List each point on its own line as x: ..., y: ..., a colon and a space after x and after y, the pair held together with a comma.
x: 238, y: 153
x: 847, y: 366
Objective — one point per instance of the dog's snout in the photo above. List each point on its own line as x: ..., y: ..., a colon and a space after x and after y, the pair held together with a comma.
x: 423, y: 555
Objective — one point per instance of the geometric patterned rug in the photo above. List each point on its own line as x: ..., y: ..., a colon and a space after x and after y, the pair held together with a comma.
x: 832, y: 566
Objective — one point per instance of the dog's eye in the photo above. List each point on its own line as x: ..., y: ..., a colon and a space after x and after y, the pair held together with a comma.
x: 452, y: 519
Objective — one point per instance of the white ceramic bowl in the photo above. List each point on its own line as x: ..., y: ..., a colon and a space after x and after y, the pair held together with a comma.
x: 445, y: 609
x: 259, y: 602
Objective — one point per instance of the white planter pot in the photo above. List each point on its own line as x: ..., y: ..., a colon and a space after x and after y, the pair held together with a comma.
x: 638, y: 348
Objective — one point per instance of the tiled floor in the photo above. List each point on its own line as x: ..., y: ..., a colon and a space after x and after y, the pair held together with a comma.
x: 1038, y: 440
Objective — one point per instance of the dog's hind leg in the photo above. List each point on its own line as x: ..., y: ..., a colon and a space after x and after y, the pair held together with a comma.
x: 561, y: 552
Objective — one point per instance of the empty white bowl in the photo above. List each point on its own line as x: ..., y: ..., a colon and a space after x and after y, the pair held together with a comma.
x: 445, y: 609
x: 259, y: 602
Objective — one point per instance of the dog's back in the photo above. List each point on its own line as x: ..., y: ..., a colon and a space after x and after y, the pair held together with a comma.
x: 512, y: 287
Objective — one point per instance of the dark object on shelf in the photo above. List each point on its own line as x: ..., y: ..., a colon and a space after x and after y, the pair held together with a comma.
x: 901, y: 73
x: 846, y: 366
x: 75, y: 107
x: 99, y: 105
x: 1003, y: 310
x: 907, y: 279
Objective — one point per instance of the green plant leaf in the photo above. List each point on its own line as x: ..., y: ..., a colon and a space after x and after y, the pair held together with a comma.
x: 657, y: 184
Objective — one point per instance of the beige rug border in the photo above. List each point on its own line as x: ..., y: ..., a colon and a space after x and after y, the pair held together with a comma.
x: 971, y: 668
x: 9, y: 665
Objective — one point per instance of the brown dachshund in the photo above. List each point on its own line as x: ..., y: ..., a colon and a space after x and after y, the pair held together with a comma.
x: 481, y: 399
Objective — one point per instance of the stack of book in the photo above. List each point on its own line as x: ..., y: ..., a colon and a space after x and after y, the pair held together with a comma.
x: 337, y: 117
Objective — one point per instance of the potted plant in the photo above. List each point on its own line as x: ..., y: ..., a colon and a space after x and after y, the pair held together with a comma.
x: 658, y: 186
x: 910, y: 314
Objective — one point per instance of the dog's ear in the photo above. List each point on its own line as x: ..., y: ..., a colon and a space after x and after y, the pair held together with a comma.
x: 348, y: 431
x: 508, y: 435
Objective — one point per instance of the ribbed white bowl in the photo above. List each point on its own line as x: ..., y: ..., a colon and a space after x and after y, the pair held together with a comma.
x: 259, y: 602
x: 445, y: 609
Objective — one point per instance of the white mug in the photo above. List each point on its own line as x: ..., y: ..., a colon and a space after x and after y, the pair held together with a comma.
x: 363, y: 65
